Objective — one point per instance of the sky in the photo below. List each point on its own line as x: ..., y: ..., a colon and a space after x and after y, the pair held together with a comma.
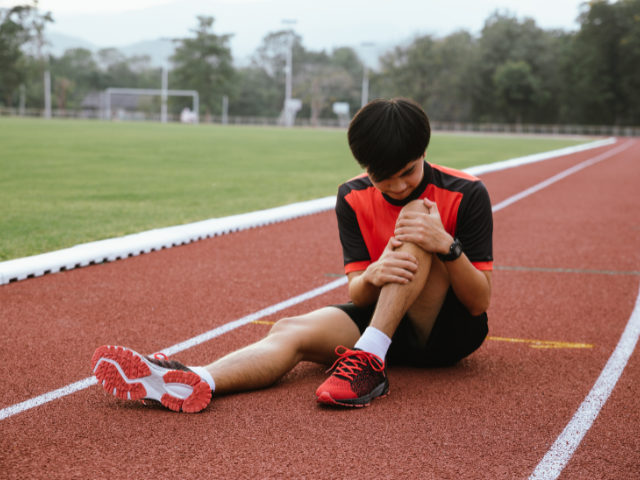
x: 323, y: 24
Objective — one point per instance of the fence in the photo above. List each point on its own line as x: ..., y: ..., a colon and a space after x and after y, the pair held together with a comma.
x: 125, y: 115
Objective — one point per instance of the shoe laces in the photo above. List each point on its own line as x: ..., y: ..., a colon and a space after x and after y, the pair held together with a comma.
x: 162, y: 360
x: 351, y: 362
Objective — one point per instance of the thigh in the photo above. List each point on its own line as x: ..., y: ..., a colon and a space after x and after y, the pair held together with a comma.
x: 319, y: 333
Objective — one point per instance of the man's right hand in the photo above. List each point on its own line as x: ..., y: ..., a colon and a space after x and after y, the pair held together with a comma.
x: 392, y: 266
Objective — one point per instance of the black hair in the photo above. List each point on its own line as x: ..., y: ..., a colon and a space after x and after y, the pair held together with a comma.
x: 385, y: 135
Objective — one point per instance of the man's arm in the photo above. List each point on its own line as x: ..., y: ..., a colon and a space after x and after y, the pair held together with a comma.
x: 471, y: 286
x: 392, y: 267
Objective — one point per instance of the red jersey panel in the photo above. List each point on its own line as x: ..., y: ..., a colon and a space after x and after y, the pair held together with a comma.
x: 367, y: 217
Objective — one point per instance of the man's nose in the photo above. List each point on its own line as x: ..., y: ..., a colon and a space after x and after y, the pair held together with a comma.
x: 398, y: 187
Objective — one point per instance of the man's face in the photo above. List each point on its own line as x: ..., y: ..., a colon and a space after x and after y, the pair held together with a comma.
x: 400, y: 185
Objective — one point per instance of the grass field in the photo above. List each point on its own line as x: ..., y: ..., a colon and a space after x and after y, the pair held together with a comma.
x: 69, y: 182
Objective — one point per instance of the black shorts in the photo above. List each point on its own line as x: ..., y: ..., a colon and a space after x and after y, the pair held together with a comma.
x: 456, y: 334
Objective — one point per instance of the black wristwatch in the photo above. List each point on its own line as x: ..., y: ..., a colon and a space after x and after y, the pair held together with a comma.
x: 454, y: 252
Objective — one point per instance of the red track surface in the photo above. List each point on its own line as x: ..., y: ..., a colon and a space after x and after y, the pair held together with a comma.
x: 494, y: 415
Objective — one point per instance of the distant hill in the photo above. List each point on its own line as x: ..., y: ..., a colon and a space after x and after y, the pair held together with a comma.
x: 59, y: 43
x: 158, y: 50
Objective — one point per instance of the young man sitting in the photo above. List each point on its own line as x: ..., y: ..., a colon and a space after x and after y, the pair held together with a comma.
x: 417, y: 245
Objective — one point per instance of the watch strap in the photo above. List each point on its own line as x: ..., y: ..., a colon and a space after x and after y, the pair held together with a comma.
x: 454, y: 252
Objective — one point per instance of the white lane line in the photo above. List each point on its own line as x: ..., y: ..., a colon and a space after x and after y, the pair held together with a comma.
x: 179, y: 347
x: 561, y: 175
x: 565, y: 446
x: 47, y: 397
x: 537, y: 157
x: 87, y: 382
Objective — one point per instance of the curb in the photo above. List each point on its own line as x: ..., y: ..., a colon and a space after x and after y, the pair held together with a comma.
x: 152, y: 240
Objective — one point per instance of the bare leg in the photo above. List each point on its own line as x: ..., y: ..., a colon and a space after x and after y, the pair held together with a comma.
x: 312, y: 337
x: 421, y: 299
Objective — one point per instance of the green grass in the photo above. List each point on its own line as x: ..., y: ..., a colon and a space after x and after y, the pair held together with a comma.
x: 69, y: 182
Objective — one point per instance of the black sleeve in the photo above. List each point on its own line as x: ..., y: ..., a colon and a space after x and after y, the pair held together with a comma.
x: 475, y: 224
x: 354, y: 248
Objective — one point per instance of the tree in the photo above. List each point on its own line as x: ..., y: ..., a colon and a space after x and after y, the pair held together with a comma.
x: 347, y: 59
x: 432, y: 71
x: 259, y: 94
x: 319, y: 78
x: 18, y: 26
x: 316, y: 83
x: 505, y: 39
x: 204, y: 63
x: 271, y: 58
x: 601, y: 65
x: 516, y: 88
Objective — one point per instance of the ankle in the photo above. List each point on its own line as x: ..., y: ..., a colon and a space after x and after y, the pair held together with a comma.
x: 374, y: 341
x: 204, y: 375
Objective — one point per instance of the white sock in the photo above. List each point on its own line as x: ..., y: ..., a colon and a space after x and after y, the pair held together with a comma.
x: 204, y: 375
x: 374, y: 341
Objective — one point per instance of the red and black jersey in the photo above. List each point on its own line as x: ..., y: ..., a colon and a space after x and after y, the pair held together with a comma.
x: 367, y: 217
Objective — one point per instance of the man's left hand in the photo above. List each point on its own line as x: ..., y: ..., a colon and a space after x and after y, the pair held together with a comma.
x: 424, y: 229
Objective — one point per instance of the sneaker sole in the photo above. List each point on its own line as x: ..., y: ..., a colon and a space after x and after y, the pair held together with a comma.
x: 129, y: 376
x: 380, y: 391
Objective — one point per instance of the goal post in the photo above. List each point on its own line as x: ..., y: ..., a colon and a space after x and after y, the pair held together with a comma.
x: 150, y: 91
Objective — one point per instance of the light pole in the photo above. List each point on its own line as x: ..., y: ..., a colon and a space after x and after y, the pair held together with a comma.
x: 289, y: 67
x: 291, y: 106
x: 47, y: 91
x: 365, y: 79
x: 163, y: 96
x: 225, y: 110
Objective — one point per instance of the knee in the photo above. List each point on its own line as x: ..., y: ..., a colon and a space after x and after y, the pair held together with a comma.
x: 286, y: 326
x: 415, y: 206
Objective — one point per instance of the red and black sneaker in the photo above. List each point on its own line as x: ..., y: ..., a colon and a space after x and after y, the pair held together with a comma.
x: 131, y: 376
x: 358, y: 378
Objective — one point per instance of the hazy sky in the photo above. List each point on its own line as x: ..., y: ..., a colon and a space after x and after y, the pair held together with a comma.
x: 322, y: 23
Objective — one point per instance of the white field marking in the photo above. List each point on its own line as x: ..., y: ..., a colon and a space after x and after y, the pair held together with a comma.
x: 157, y: 239
x: 179, y: 347
x: 537, y: 157
x: 565, y: 446
x: 561, y: 175
x: 47, y: 397
x: 87, y: 382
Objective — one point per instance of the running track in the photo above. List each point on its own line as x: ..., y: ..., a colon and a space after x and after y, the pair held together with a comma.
x: 494, y: 415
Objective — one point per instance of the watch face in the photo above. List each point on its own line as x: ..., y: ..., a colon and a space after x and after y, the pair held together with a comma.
x: 457, y: 250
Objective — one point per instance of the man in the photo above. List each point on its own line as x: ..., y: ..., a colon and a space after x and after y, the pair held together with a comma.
x: 417, y: 245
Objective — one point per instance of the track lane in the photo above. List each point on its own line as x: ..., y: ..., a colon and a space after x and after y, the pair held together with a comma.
x: 150, y: 304
x: 610, y: 448
x: 82, y: 308
x: 124, y: 301
x: 277, y: 444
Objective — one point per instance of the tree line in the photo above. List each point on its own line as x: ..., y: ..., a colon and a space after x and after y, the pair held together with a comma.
x: 512, y: 71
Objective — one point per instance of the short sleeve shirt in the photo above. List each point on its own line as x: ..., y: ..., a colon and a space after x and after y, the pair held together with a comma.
x: 367, y: 217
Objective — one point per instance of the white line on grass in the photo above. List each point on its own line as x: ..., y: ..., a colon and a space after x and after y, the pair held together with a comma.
x: 565, y: 446
x: 216, y: 332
